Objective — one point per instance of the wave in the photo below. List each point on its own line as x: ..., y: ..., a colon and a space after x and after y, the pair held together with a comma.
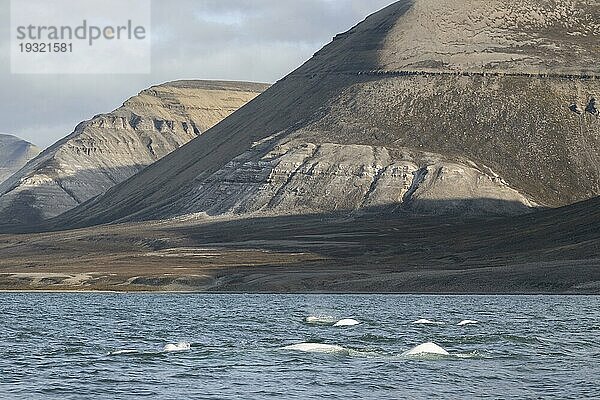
x: 181, y: 346
x: 427, y: 322
x: 122, y: 352
x: 473, y: 354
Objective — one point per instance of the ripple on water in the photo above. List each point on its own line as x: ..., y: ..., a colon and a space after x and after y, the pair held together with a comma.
x: 123, y: 352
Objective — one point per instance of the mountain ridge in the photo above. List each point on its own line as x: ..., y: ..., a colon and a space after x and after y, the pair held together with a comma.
x: 14, y: 154
x: 111, y: 147
x: 480, y: 123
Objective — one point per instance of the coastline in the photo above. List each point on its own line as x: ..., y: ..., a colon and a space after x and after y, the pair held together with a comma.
x: 308, y: 255
x: 159, y: 292
x: 301, y: 293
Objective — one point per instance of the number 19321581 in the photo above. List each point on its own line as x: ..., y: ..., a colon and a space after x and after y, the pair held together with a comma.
x: 46, y: 47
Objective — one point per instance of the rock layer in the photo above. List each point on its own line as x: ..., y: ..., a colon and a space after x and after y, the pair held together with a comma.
x: 110, y: 148
x: 298, y: 177
x: 14, y: 154
x: 426, y: 105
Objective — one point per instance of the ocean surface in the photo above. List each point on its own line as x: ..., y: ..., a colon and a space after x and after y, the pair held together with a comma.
x: 170, y: 346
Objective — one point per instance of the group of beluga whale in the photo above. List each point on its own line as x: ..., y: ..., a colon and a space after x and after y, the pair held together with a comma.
x: 423, y: 350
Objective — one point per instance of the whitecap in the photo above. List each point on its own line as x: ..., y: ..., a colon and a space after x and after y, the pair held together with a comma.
x: 467, y: 322
x: 473, y: 354
x: 317, y: 348
x: 347, y: 322
x: 427, y: 349
x: 121, y: 352
x: 320, y: 320
x: 427, y: 322
x: 181, y: 346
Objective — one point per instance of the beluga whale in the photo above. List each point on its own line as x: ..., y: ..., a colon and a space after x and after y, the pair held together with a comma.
x: 316, y: 348
x: 427, y: 349
x: 346, y: 322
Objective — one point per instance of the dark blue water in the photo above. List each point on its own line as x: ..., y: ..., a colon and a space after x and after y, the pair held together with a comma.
x: 105, y: 346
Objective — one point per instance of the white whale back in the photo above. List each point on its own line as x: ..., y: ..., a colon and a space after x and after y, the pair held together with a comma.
x: 427, y: 348
x: 427, y: 322
x: 316, y: 348
x: 181, y: 346
x: 347, y: 322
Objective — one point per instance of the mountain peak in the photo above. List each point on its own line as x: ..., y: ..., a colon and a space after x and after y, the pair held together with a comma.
x: 14, y: 154
x: 477, y: 36
x: 111, y: 147
x: 427, y: 106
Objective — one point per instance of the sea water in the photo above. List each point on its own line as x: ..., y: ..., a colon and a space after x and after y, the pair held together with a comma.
x: 171, y: 346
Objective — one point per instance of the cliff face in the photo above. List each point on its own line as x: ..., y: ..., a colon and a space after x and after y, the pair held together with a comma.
x: 426, y: 106
x: 110, y: 148
x: 14, y: 154
x: 298, y: 176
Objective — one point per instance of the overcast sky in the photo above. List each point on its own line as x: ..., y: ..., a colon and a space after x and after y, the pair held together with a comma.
x: 249, y: 40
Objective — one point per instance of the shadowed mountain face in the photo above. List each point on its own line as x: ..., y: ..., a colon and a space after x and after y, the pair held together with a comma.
x: 110, y: 148
x: 553, y: 251
x: 14, y: 154
x: 426, y: 106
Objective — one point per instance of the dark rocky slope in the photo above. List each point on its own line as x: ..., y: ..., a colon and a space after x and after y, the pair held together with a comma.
x: 553, y: 251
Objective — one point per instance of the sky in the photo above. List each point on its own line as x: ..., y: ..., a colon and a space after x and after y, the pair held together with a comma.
x: 244, y: 40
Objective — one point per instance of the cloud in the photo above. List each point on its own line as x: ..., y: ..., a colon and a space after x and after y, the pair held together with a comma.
x: 253, y: 40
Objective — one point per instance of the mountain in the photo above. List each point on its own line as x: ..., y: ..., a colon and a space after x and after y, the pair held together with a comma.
x: 14, y: 154
x: 444, y: 107
x: 110, y: 148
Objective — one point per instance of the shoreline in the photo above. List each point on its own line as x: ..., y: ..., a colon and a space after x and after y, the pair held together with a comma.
x: 295, y: 293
